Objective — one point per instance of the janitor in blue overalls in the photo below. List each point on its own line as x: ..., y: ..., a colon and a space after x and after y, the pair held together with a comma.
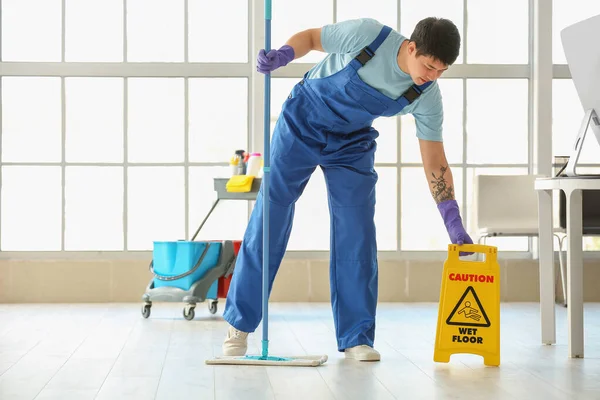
x: 370, y: 71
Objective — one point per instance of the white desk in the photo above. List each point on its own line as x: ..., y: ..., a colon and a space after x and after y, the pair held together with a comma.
x: 572, y: 188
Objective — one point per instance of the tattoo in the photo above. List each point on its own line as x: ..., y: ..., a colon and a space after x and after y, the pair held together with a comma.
x: 441, y: 191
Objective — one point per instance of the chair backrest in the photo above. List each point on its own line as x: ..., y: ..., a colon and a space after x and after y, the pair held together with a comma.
x: 508, y: 202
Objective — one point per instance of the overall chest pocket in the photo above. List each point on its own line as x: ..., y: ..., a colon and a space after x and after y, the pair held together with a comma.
x: 365, y: 100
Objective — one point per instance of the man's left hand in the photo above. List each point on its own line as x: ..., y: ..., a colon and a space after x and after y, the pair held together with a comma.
x: 453, y: 222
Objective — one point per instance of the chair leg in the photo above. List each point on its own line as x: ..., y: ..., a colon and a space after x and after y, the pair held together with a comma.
x: 479, y: 255
x: 561, y: 263
x: 563, y: 268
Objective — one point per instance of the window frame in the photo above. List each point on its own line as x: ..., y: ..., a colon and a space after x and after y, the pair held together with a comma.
x: 540, y: 14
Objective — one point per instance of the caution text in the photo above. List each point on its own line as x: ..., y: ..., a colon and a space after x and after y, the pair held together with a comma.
x: 471, y: 278
x: 467, y: 335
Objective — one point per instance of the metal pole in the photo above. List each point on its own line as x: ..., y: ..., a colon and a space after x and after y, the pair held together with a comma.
x: 266, y: 169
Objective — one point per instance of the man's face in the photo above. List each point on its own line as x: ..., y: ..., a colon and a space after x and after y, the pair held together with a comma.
x: 423, y: 68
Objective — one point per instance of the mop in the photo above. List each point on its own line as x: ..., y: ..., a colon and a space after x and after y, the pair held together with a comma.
x: 265, y: 358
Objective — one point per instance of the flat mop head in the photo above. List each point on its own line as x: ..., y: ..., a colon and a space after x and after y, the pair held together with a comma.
x: 294, y: 361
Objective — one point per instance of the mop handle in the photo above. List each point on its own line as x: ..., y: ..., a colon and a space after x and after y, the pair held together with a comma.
x: 266, y: 170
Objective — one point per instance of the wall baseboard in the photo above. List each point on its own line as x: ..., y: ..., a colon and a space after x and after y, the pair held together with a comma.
x: 101, y: 281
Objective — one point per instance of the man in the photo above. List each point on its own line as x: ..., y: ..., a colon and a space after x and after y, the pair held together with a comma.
x: 370, y: 71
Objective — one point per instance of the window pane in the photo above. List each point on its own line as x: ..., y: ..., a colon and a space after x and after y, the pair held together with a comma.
x: 413, y: 11
x: 94, y: 119
x: 452, y: 128
x: 156, y: 120
x: 497, y: 124
x: 503, y: 243
x: 228, y: 220
x: 155, y: 206
x: 498, y: 32
x: 206, y: 18
x: 280, y: 90
x: 94, y: 30
x: 155, y: 30
x: 310, y: 230
x: 386, y: 214
x: 567, y: 114
x: 566, y: 13
x: 452, y: 97
x: 591, y: 243
x: 31, y: 119
x: 291, y: 17
x: 387, y: 142
x: 31, y: 30
x: 31, y: 208
x: 384, y: 11
x: 94, y: 208
x: 218, y: 118
x: 410, y: 143
x: 421, y: 223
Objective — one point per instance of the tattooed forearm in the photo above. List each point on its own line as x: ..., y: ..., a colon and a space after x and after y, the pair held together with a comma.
x: 441, y: 189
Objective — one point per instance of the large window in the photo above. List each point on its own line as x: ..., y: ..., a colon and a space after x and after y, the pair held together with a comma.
x: 117, y: 115
x: 120, y: 151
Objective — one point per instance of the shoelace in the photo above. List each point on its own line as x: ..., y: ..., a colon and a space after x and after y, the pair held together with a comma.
x: 237, y: 334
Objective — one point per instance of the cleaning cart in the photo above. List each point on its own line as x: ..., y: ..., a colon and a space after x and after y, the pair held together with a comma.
x: 192, y: 271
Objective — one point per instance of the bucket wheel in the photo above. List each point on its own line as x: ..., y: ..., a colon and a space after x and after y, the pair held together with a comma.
x: 212, y: 306
x: 188, y: 312
x: 146, y: 310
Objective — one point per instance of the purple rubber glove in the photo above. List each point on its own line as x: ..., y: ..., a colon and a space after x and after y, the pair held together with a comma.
x: 454, y: 226
x: 268, y: 62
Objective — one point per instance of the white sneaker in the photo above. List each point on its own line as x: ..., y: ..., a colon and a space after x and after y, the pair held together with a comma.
x: 236, y: 342
x: 362, y: 353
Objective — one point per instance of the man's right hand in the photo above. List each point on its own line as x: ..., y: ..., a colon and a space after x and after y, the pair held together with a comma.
x: 268, y: 62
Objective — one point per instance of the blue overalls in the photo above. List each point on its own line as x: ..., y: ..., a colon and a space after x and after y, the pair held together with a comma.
x: 324, y: 122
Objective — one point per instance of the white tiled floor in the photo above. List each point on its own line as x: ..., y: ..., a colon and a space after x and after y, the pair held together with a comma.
x: 110, y: 352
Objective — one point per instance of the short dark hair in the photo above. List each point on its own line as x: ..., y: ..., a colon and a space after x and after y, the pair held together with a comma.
x: 438, y: 38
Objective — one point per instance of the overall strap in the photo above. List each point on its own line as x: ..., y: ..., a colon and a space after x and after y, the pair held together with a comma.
x: 369, y: 51
x: 413, y: 93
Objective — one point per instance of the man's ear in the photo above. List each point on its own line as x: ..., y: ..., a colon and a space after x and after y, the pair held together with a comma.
x: 412, y: 48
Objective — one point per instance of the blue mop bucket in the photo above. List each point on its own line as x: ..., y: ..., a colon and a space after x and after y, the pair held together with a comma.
x: 191, y: 260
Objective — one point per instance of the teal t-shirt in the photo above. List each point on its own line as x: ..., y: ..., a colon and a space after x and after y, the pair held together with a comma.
x: 344, y: 40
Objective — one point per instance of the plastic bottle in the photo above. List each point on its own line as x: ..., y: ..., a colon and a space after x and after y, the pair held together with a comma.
x: 254, y: 164
x: 261, y: 170
x: 241, y: 166
x: 234, y: 163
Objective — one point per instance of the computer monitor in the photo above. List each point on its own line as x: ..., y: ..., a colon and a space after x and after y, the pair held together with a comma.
x: 583, y: 58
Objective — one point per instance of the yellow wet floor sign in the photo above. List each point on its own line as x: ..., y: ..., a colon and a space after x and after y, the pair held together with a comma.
x: 469, y: 309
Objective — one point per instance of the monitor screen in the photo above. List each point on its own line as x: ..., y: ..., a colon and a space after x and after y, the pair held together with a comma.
x: 583, y: 57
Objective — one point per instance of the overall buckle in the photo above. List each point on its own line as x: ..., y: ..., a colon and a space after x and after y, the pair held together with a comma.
x: 365, y: 55
x: 412, y: 94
